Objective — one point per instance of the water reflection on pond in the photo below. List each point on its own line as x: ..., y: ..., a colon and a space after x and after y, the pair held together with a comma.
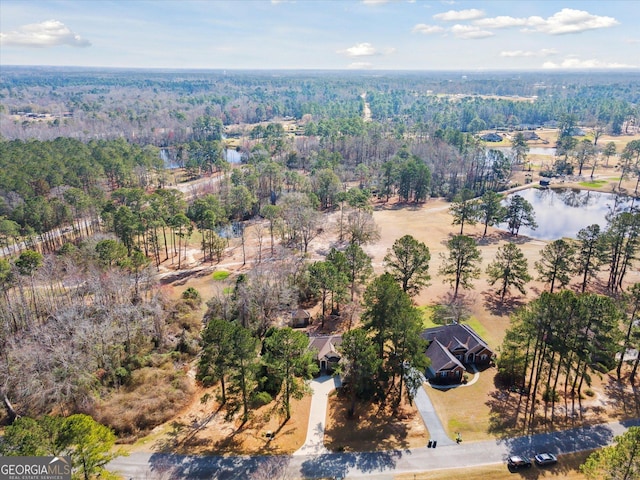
x: 549, y: 151
x: 168, y: 156
x: 563, y: 212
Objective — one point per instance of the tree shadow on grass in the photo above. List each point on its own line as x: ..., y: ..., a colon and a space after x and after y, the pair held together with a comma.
x: 371, y: 429
x: 395, y: 204
x: 494, y: 304
x: 504, y: 406
x: 622, y: 397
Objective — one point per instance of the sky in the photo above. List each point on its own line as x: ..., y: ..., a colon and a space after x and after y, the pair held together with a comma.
x: 321, y: 34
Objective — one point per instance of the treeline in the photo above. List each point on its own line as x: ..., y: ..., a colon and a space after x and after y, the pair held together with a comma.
x: 65, y: 183
x: 598, y: 105
x: 558, y: 342
x: 160, y: 108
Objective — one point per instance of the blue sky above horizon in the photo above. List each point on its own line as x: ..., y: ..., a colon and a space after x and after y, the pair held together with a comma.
x: 321, y: 34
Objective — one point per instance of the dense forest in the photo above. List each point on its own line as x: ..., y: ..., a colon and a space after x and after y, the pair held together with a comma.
x: 89, y: 213
x: 160, y: 107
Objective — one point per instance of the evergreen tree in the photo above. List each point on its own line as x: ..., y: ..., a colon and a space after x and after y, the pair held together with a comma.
x: 620, y: 461
x: 460, y: 266
x: 408, y: 262
x: 556, y: 263
x: 464, y: 209
x: 288, y: 356
x: 519, y: 213
x: 509, y: 268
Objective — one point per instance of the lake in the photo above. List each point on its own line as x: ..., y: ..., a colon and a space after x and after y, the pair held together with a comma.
x: 563, y: 212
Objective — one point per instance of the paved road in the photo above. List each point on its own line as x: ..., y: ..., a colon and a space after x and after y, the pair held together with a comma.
x: 373, y: 465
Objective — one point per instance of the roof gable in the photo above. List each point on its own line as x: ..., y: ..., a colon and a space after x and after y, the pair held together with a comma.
x: 441, y: 358
x: 326, y: 346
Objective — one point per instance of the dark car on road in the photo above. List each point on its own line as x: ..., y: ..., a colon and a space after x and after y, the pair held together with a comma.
x: 518, y: 462
x: 545, y: 458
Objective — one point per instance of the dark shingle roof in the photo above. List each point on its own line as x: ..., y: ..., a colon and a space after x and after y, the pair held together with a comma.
x: 441, y: 358
x: 456, y: 335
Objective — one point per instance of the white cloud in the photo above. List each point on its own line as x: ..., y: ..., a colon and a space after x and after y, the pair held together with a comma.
x: 360, y: 66
x: 459, y: 15
x: 545, y: 52
x: 470, y: 32
x: 568, y: 20
x: 427, y: 29
x: 360, y: 50
x: 573, y: 62
x: 49, y: 33
x: 565, y: 21
x: 503, y: 22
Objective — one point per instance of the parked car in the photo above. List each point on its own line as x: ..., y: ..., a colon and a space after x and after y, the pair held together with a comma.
x: 545, y: 458
x: 518, y: 462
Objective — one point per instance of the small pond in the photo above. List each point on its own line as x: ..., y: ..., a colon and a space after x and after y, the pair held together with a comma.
x: 549, y: 151
x: 168, y: 157
x: 563, y: 212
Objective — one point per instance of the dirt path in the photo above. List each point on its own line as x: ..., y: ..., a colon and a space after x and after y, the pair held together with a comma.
x: 366, y: 111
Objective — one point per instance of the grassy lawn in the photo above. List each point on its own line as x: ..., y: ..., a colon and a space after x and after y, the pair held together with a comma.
x: 566, y: 468
x: 427, y: 320
x: 466, y: 409
x: 219, y: 275
x: 594, y: 184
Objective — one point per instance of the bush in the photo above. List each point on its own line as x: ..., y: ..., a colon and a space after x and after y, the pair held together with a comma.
x: 589, y: 393
x: 152, y: 397
x: 551, y: 395
x: 192, y: 297
x: 260, y: 399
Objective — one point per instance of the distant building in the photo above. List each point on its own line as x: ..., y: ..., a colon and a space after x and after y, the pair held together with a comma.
x: 530, y: 135
x: 300, y: 318
x: 491, y: 137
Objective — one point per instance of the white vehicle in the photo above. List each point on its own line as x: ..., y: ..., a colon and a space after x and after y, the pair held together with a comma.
x: 545, y: 458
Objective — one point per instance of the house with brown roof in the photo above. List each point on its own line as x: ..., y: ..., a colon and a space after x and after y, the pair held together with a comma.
x: 452, y: 348
x: 327, y: 354
x: 300, y: 318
